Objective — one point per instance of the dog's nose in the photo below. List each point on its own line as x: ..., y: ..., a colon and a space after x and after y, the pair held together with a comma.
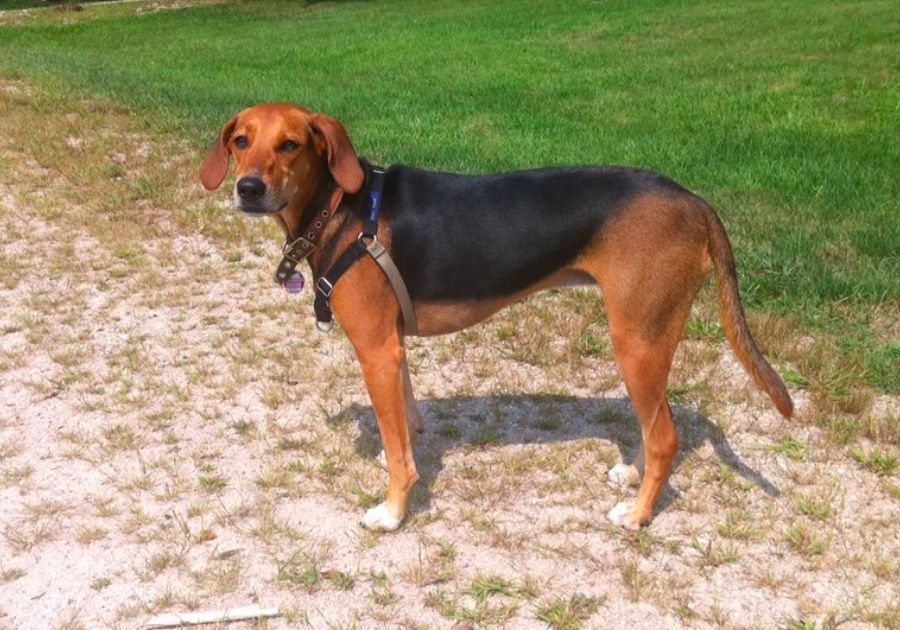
x: 251, y: 188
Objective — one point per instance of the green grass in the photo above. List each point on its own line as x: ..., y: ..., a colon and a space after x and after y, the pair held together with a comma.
x: 11, y: 5
x: 782, y: 113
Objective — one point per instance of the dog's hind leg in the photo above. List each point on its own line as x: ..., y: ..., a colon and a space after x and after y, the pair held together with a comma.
x: 645, y: 369
x: 649, y: 265
x: 624, y: 475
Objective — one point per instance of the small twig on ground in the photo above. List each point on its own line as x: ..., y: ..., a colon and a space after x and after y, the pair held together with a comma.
x: 241, y: 613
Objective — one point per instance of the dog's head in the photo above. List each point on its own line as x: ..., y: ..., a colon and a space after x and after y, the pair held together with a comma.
x: 282, y: 153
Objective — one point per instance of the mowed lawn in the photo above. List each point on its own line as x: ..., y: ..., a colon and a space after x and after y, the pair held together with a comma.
x: 782, y: 114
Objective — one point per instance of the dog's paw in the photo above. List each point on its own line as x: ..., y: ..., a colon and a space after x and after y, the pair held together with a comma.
x: 379, y: 519
x: 624, y: 475
x: 623, y: 515
x: 382, y: 459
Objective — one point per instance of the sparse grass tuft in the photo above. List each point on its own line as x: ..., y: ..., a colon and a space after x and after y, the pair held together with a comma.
x: 300, y: 569
x: 882, y: 463
x: 815, y: 508
x: 739, y: 525
x: 805, y: 541
x: 790, y: 447
x: 569, y: 614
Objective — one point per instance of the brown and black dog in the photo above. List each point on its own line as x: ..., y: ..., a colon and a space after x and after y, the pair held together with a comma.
x: 467, y: 246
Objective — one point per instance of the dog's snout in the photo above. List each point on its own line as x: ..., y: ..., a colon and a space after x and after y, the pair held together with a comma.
x: 251, y: 188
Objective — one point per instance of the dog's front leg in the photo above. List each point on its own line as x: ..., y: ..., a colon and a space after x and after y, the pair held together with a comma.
x: 383, y: 368
x: 414, y: 422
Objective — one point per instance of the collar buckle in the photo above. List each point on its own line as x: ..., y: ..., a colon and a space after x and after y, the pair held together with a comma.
x: 298, y: 249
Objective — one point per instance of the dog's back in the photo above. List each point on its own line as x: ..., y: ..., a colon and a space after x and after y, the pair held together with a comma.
x: 469, y: 237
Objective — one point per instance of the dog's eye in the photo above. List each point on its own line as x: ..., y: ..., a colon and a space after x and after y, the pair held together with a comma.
x: 241, y: 142
x: 288, y: 145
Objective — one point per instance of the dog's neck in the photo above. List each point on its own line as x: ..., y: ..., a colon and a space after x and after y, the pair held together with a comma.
x: 298, y: 215
x: 299, y: 220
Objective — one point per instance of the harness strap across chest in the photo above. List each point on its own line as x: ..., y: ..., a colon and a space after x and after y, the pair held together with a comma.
x: 366, y: 243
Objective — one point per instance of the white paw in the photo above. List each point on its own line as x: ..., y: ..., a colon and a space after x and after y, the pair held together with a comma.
x: 624, y: 475
x: 380, y: 519
x: 623, y: 515
x: 382, y: 459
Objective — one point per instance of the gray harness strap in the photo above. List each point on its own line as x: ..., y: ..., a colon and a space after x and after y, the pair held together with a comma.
x: 384, y: 260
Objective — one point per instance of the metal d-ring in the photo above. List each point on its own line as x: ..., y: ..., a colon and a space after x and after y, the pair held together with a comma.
x: 324, y: 327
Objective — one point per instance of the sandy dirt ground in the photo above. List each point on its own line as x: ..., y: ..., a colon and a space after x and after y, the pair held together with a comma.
x: 175, y: 435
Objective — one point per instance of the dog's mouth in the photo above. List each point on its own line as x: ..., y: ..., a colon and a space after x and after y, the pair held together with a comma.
x: 260, y: 210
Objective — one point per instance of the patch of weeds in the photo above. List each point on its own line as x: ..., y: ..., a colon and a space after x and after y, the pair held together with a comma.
x: 450, y: 431
x: 484, y: 586
x: 646, y: 543
x: 715, y: 555
x: 883, y: 430
x: 300, y: 569
x: 880, y: 462
x: 739, y: 526
x: 162, y: 560
x: 806, y: 542
x: 886, y: 618
x: 120, y: 437
x: 292, y: 444
x: 434, y: 567
x: 505, y: 331
x: 892, y: 489
x: 211, y: 482
x: 703, y: 329
x: 486, y: 436
x: 634, y: 579
x: 812, y: 507
x: 881, y: 367
x: 338, y: 579
x: 679, y: 394
x: 87, y: 535
x: 483, y: 589
x: 244, y: 428
x: 590, y: 344
x: 274, y: 478
x: 843, y: 430
x: 9, y: 272
x: 22, y: 539
x: 569, y: 614
x: 548, y: 424
x: 329, y: 469
x: 129, y: 252
x: 791, y: 448
x: 794, y: 378
x: 100, y: 583
x: 366, y: 499
x: 382, y: 594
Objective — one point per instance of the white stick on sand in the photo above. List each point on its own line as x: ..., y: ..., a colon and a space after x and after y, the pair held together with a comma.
x: 241, y: 613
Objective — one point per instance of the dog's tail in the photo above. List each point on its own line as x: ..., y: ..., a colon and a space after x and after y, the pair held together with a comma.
x: 735, y: 322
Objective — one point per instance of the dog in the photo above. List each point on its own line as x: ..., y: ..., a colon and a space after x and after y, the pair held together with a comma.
x: 468, y: 245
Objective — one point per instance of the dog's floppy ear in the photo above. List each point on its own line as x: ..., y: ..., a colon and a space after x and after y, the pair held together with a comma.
x: 215, y: 166
x: 342, y: 160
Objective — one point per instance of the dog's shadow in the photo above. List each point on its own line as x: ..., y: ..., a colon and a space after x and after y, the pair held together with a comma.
x: 470, y: 422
